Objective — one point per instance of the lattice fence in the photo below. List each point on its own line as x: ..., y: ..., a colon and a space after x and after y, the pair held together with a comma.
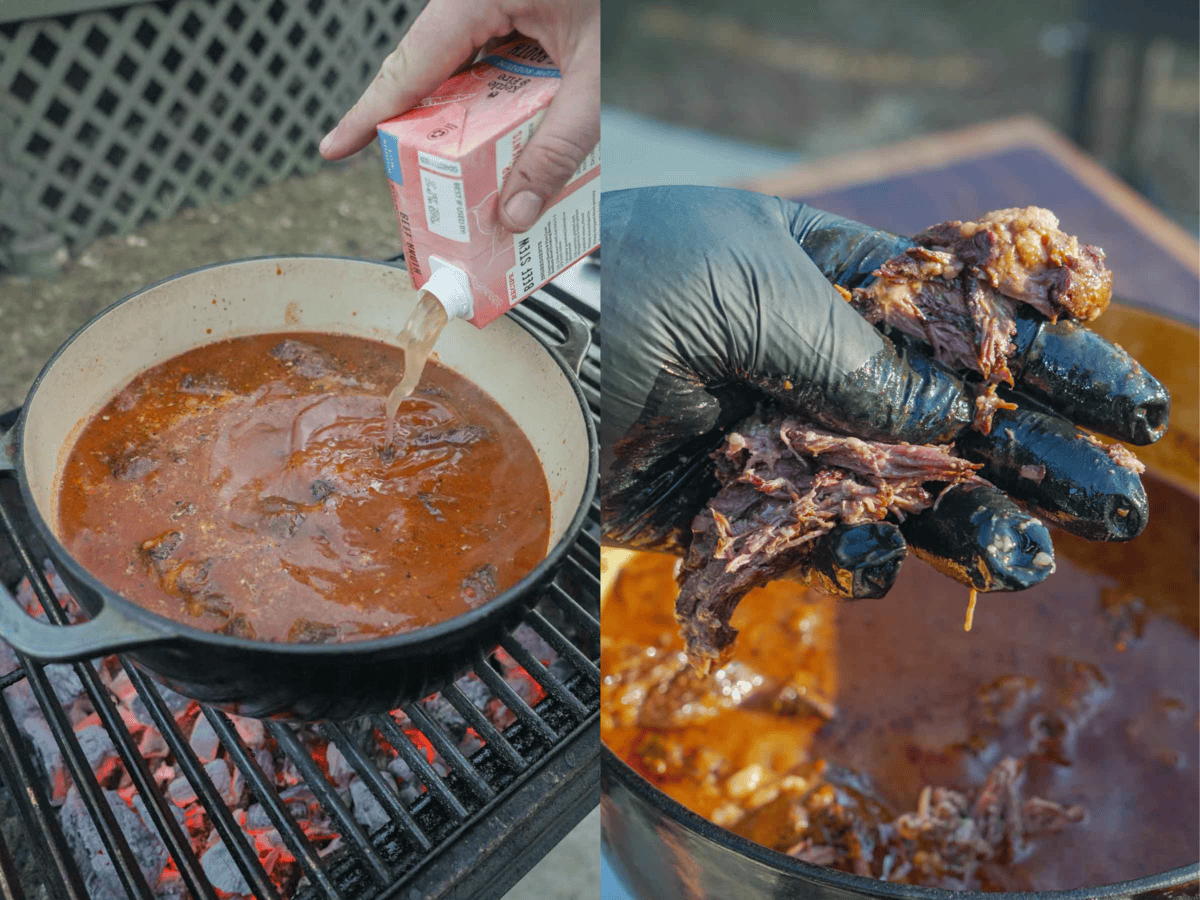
x: 116, y: 117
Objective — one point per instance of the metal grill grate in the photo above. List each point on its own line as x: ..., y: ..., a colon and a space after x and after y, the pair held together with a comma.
x: 463, y: 824
x: 117, y: 117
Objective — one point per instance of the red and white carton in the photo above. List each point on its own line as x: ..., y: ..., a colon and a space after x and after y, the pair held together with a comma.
x: 447, y: 160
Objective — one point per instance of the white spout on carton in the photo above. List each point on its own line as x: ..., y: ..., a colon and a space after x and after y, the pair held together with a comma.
x: 452, y: 288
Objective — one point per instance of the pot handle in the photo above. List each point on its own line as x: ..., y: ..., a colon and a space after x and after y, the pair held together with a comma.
x: 578, y: 332
x: 109, y: 632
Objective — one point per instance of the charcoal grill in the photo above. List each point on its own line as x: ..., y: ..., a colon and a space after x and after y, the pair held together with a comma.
x: 471, y: 824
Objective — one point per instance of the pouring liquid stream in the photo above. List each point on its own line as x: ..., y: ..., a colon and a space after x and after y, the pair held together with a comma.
x: 416, y: 339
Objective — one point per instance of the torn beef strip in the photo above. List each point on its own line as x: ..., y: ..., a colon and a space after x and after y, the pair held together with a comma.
x: 1120, y: 454
x: 281, y: 517
x: 783, y: 484
x: 959, y: 289
x: 206, y: 384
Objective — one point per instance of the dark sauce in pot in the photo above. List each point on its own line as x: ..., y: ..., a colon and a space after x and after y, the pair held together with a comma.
x: 242, y: 487
x: 866, y: 716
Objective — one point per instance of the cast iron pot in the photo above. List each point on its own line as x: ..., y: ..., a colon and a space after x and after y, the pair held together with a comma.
x: 532, y: 382
x: 661, y: 849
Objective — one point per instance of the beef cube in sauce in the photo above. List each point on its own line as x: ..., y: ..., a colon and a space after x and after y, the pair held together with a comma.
x: 480, y: 584
x: 133, y: 463
x: 304, y: 359
x: 306, y: 631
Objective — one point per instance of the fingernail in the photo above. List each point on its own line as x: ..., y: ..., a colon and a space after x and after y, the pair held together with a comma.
x: 326, y: 143
x: 523, y: 210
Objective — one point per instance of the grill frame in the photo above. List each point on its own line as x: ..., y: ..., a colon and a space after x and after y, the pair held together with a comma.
x: 474, y: 832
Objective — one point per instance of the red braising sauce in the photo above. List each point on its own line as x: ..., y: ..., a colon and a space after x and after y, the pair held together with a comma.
x: 243, y: 487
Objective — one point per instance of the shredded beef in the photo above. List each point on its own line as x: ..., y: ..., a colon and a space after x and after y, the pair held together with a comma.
x: 306, y: 631
x: 959, y: 289
x: 1120, y: 454
x: 783, y: 484
x: 942, y: 843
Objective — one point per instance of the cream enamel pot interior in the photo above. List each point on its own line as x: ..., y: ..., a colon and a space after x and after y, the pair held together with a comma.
x: 522, y: 373
x: 661, y: 849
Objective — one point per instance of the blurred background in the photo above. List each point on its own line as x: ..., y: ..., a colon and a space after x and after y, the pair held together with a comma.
x: 711, y: 92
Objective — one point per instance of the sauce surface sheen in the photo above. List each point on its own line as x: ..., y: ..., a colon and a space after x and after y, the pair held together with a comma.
x: 240, y: 487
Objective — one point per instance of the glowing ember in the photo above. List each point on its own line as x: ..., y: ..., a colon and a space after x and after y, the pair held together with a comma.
x: 223, y: 775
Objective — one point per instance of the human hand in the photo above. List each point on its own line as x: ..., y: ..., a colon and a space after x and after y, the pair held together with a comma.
x: 717, y: 300
x: 444, y: 38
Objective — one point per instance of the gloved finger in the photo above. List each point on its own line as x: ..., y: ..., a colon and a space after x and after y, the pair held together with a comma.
x: 979, y: 537
x: 1062, y: 473
x: 567, y: 134
x: 847, y: 252
x: 844, y: 375
x: 1088, y: 379
x: 439, y: 41
x: 855, y: 562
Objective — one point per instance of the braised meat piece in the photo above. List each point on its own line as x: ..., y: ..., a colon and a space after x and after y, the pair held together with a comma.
x: 306, y: 631
x: 783, y: 484
x: 206, y: 384
x: 958, y: 290
x: 133, y: 462
x: 480, y: 584
x: 305, y: 360
x: 1023, y: 254
x: 835, y: 818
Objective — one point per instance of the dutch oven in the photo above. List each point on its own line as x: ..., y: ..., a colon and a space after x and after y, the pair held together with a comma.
x: 661, y: 849
x: 533, y: 380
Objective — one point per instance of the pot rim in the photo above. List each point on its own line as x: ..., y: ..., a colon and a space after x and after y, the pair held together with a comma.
x: 174, y: 631
x: 612, y: 766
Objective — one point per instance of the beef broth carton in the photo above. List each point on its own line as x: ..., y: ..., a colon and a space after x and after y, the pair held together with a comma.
x: 447, y: 160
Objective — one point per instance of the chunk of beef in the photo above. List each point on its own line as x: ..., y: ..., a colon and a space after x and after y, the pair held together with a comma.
x: 1023, y: 254
x: 783, y: 485
x: 156, y: 550
x: 133, y: 462
x: 306, y: 631
x: 208, y: 604
x: 280, y: 517
x: 480, y: 584
x: 305, y: 360
x: 238, y: 626
x: 959, y: 289
x: 321, y: 489
x: 205, y: 384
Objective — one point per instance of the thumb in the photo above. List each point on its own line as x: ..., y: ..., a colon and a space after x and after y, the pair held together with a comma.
x: 566, y: 135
